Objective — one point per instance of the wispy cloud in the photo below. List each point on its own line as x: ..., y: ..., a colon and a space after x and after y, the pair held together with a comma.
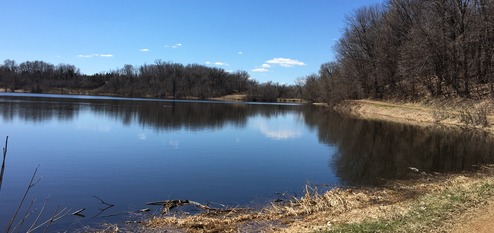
x: 240, y: 53
x: 144, y: 50
x: 285, y: 62
x: 175, y: 46
x: 260, y: 69
x: 218, y: 63
x: 94, y: 55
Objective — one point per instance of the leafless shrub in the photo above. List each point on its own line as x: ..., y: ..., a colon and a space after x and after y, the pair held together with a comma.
x: 440, y: 115
x: 475, y: 116
x: 480, y: 115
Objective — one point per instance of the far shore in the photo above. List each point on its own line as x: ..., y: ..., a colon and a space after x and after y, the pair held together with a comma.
x: 228, y: 98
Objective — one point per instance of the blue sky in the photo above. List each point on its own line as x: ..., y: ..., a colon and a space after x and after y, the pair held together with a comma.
x: 273, y: 40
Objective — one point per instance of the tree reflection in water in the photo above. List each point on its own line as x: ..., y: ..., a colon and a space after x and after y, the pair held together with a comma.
x: 366, y: 152
x: 370, y: 151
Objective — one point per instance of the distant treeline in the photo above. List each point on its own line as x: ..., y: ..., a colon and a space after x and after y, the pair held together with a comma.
x: 411, y: 49
x: 159, y: 80
x: 401, y: 49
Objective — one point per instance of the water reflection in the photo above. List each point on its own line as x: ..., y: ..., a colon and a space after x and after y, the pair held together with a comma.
x: 365, y: 152
x: 160, y: 115
x: 370, y: 151
x: 277, y: 130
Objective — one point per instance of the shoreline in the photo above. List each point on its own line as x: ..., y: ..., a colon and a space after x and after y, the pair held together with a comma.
x: 426, y: 203
x: 423, y: 114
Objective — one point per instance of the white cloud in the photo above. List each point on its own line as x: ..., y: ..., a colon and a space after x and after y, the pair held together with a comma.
x: 218, y: 63
x: 175, y: 46
x: 261, y: 70
x: 285, y: 62
x: 94, y: 55
x: 240, y: 53
x: 144, y: 50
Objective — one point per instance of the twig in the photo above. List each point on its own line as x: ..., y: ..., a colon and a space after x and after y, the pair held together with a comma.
x: 78, y: 213
x: 57, y: 215
x: 51, y: 220
x: 103, y: 202
x: 3, y: 162
x: 41, y: 212
x: 26, y: 215
x: 102, y: 210
x: 114, y: 214
x: 32, y: 183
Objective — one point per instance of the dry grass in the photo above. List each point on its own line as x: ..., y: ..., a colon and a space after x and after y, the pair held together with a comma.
x: 425, y: 203
x: 233, y: 98
x: 447, y: 112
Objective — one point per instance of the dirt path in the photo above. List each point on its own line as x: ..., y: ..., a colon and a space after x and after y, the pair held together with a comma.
x: 480, y: 220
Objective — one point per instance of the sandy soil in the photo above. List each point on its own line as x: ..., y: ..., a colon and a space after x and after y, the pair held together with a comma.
x: 480, y: 220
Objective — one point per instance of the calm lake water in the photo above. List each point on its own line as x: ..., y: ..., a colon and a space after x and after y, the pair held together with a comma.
x: 131, y: 151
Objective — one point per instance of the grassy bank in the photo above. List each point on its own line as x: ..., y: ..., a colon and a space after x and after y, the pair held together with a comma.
x: 426, y: 203
x: 442, y: 210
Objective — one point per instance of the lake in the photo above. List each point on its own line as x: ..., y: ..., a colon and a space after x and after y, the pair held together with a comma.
x: 127, y: 152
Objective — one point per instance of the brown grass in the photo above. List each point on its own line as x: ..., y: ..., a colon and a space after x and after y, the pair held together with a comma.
x: 453, y: 113
x: 398, y: 202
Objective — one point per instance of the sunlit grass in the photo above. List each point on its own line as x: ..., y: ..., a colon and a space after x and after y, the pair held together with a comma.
x: 428, y: 212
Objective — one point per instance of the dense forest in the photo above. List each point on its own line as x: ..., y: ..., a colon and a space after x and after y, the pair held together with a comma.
x: 159, y: 80
x: 409, y: 50
x: 401, y: 49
